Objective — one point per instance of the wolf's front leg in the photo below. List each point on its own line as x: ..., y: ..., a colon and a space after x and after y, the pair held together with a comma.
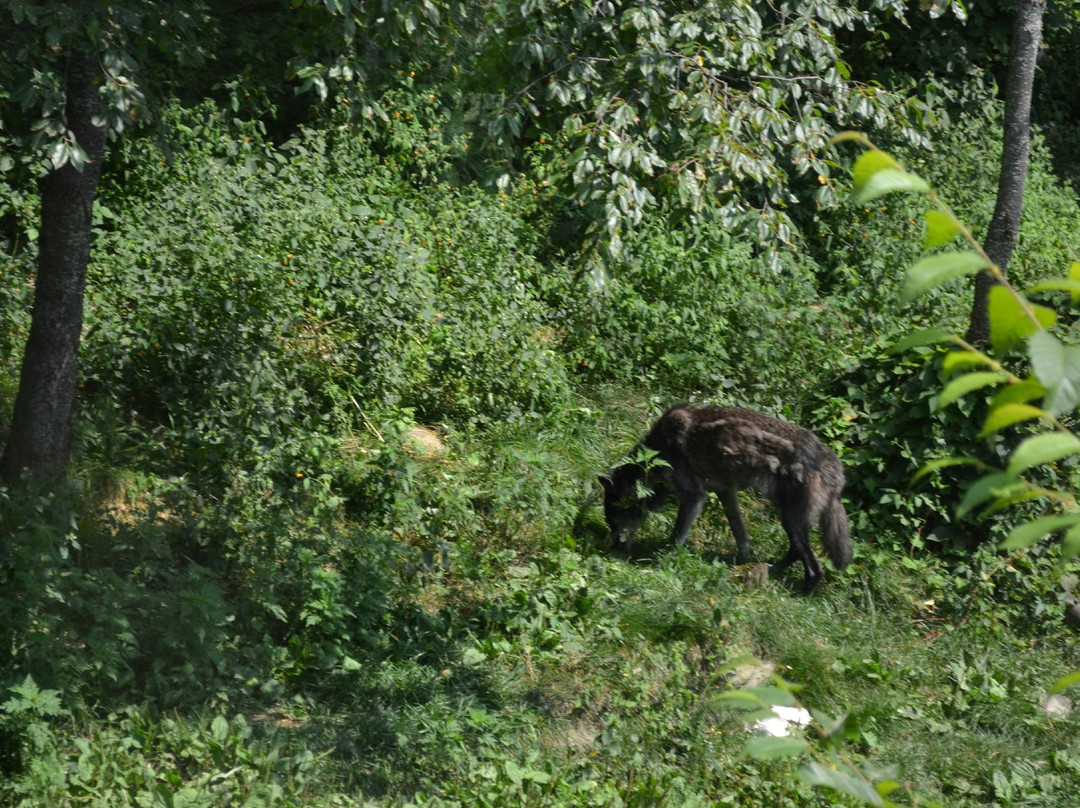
x: 730, y: 500
x: 690, y: 505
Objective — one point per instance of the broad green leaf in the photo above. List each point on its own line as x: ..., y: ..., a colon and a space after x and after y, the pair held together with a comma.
x: 983, y: 489
x: 350, y: 664
x: 1047, y: 358
x: 1042, y: 449
x: 772, y: 748
x: 917, y: 339
x: 1064, y: 397
x: 773, y: 695
x: 1010, y: 322
x: 742, y: 699
x: 1008, y: 415
x: 1018, y: 393
x: 870, y: 162
x: 887, y: 787
x: 1057, y: 285
x: 1026, y: 534
x: 934, y: 270
x: 473, y: 656
x: 737, y: 662
x: 944, y: 463
x: 77, y: 156
x: 1070, y: 545
x: 518, y: 774
x: 890, y: 180
x: 969, y: 382
x: 1058, y: 368
x: 818, y: 774
x: 831, y: 726
x: 1010, y: 495
x: 219, y: 728
x: 1065, y: 681
x: 941, y: 228
x: 849, y: 134
x: 962, y: 360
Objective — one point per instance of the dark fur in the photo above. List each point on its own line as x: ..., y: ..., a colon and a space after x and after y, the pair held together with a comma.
x: 725, y: 449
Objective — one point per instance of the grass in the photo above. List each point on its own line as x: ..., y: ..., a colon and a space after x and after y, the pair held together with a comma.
x: 571, y: 678
x: 615, y: 695
x: 517, y: 661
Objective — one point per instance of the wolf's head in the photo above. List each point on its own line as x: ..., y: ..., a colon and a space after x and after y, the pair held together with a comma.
x: 624, y: 505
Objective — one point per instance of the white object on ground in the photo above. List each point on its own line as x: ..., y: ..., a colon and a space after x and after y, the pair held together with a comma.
x: 778, y: 724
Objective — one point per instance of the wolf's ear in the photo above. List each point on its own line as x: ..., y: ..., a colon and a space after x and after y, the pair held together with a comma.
x: 606, y: 483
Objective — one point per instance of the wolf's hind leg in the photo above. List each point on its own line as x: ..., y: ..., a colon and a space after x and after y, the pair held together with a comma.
x: 779, y: 566
x: 730, y: 500
x: 796, y: 522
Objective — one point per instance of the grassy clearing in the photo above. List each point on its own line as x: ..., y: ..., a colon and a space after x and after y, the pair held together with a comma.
x: 525, y: 663
x: 572, y: 678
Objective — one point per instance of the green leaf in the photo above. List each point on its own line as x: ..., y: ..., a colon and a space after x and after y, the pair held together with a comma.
x: 1008, y: 415
x: 1057, y: 285
x: 742, y: 699
x: 870, y: 162
x: 1065, y: 681
x: 981, y: 490
x: 1058, y: 368
x: 1042, y: 449
x: 818, y: 774
x: 934, y: 270
x: 1018, y: 393
x: 1070, y: 545
x: 771, y: 748
x: 890, y: 180
x: 350, y: 664
x: 962, y: 360
x: 1010, y: 495
x: 734, y: 663
x: 1010, y: 322
x: 773, y: 695
x: 1047, y: 358
x: 219, y: 729
x: 917, y: 339
x: 944, y: 463
x: 849, y: 134
x: 941, y: 228
x: 473, y: 656
x: 968, y: 383
x: 887, y: 787
x: 1026, y: 534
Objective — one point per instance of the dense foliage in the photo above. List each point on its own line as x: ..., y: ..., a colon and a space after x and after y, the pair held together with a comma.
x: 329, y: 536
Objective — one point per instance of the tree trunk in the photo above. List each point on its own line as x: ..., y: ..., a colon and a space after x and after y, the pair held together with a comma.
x: 40, y: 439
x: 1005, y: 225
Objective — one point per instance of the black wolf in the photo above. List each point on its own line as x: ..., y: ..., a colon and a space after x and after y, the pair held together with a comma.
x: 693, y: 451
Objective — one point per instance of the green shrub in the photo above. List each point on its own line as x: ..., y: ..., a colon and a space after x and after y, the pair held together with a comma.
x: 273, y: 284
x: 134, y: 757
x: 696, y: 311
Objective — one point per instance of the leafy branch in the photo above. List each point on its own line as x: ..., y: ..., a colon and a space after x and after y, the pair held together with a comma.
x: 1043, y: 397
x: 1049, y: 392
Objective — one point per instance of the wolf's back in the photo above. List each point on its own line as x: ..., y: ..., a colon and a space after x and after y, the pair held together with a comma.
x: 671, y: 429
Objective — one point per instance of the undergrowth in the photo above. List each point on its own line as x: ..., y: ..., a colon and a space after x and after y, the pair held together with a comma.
x: 332, y: 536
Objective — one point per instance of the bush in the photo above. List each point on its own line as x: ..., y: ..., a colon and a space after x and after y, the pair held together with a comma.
x: 697, y: 311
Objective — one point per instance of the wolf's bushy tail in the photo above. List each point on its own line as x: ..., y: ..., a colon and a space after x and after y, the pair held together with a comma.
x: 834, y: 532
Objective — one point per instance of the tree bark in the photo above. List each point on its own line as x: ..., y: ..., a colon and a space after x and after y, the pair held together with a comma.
x: 40, y: 439
x: 1005, y: 224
